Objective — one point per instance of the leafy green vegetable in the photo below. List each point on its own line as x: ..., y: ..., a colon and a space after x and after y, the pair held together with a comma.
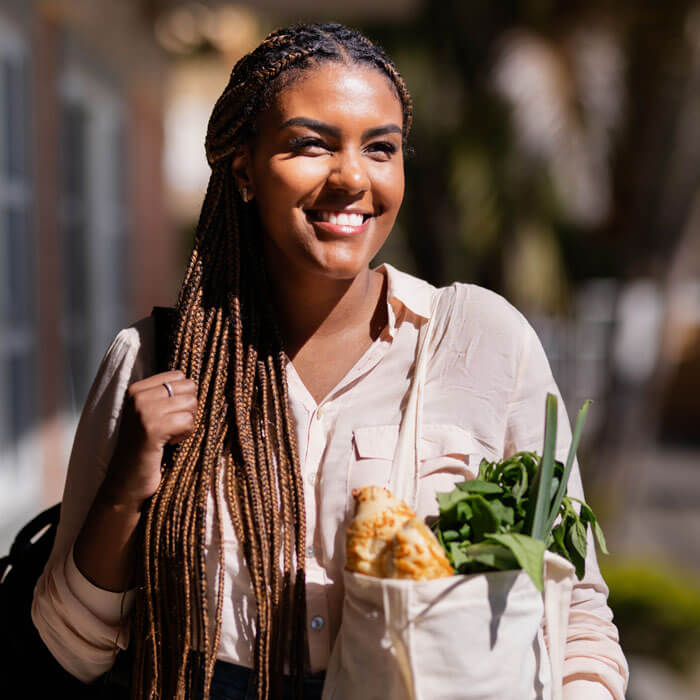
x: 528, y: 551
x: 479, y: 487
x: 505, y: 518
x: 538, y: 507
x: 483, y: 556
x: 575, y: 439
x: 587, y: 516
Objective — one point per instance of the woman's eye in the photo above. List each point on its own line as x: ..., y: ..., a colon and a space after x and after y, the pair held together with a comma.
x: 308, y: 144
x: 384, y: 149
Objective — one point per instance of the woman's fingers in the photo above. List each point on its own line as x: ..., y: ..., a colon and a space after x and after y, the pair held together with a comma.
x: 178, y: 426
x: 176, y: 379
x: 176, y: 439
x: 151, y: 393
x: 160, y: 418
x: 157, y: 379
x: 161, y: 415
x: 157, y: 403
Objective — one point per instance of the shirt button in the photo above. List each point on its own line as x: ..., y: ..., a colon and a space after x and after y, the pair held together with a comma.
x: 317, y: 623
x: 310, y: 553
x: 312, y: 478
x: 319, y: 413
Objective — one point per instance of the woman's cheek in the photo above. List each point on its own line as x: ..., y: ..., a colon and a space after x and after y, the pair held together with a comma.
x: 300, y: 174
x: 388, y: 184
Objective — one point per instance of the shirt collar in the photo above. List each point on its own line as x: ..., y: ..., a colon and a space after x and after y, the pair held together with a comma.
x: 414, y: 293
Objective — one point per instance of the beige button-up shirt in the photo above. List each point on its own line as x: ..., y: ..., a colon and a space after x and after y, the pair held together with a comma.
x: 484, y: 396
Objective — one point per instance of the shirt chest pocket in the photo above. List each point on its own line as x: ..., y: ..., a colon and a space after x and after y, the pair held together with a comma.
x: 372, y: 455
x: 447, y: 455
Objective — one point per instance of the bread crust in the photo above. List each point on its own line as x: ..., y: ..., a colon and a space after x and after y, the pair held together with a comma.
x: 387, y: 540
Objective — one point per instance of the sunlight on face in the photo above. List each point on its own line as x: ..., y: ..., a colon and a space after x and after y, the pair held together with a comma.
x: 327, y: 170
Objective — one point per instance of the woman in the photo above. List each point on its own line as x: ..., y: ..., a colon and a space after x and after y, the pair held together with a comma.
x: 290, y: 358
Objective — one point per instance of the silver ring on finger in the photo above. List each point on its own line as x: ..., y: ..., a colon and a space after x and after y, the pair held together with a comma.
x: 169, y: 389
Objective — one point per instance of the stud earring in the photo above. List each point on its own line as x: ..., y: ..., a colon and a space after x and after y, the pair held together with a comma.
x: 246, y: 195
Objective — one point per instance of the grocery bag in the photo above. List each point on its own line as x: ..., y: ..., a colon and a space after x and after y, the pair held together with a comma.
x: 456, y: 638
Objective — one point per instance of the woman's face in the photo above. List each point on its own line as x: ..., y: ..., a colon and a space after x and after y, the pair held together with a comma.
x: 326, y: 170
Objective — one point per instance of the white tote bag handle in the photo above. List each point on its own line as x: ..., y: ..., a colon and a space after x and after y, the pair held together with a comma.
x: 403, y: 481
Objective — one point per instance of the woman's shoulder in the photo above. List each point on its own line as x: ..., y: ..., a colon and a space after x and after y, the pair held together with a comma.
x: 483, y: 310
x: 132, y: 341
x: 467, y: 309
x: 129, y: 357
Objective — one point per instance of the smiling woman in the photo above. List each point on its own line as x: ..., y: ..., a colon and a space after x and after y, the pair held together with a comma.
x: 222, y: 487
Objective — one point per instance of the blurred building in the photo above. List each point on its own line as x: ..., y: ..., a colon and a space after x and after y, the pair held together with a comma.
x: 85, y: 243
x: 103, y: 111
x: 680, y: 367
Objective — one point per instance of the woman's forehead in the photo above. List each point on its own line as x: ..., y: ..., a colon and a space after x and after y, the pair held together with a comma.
x: 332, y: 91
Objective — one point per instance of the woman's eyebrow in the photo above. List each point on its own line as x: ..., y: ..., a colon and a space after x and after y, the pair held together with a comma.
x: 334, y: 131
x: 381, y: 130
x: 312, y: 124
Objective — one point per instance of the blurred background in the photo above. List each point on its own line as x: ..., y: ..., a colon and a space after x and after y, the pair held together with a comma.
x: 556, y: 160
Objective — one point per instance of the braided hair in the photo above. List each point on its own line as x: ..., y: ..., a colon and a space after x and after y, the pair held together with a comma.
x: 242, y: 451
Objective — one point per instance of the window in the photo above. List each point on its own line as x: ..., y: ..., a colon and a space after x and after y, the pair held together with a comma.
x: 19, y: 415
x: 92, y: 225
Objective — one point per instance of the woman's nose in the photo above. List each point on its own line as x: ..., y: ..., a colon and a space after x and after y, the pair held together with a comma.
x: 349, y: 173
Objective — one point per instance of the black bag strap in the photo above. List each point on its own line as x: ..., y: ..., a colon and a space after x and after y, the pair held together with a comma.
x: 42, y: 527
x: 164, y: 320
x: 26, y: 536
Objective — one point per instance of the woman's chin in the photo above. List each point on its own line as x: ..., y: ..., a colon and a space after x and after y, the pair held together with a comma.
x: 344, y: 269
x: 345, y: 263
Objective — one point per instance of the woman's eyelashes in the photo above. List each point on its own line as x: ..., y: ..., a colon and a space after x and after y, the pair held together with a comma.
x: 384, y: 148
x: 312, y: 145
x: 303, y: 144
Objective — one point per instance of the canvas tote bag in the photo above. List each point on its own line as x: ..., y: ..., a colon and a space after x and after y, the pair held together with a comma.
x: 455, y: 638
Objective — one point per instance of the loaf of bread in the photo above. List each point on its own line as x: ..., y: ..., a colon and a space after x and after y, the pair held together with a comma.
x: 387, y: 540
x: 414, y: 553
x: 378, y: 517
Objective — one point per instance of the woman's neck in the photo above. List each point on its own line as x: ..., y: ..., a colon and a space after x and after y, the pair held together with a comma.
x: 325, y: 310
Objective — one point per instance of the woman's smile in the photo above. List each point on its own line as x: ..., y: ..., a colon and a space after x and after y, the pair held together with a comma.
x: 344, y: 222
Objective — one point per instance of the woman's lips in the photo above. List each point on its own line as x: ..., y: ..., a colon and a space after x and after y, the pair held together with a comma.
x: 339, y: 223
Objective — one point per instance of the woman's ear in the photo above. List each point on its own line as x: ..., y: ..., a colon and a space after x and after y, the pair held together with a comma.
x: 240, y: 167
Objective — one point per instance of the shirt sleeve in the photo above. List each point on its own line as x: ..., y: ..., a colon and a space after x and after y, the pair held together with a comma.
x: 594, y: 665
x: 82, y: 625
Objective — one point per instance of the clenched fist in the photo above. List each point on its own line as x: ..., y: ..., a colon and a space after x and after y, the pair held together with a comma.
x: 152, y: 418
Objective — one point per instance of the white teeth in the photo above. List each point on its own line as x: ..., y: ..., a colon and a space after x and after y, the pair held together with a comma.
x: 341, y: 219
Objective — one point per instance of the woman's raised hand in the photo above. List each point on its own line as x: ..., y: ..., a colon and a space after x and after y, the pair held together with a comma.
x: 159, y: 410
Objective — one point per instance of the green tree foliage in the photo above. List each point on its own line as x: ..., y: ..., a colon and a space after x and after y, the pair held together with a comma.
x: 480, y: 207
x: 657, y: 610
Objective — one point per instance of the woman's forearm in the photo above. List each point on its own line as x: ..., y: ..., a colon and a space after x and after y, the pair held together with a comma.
x: 105, y: 550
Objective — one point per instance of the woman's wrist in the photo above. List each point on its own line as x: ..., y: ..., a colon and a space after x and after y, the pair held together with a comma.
x: 120, y: 496
x: 104, y: 551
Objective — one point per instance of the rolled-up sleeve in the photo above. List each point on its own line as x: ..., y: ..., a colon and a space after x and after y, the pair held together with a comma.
x: 595, y: 666
x: 82, y: 625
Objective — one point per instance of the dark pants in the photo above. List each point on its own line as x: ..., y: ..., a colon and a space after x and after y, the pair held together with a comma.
x: 233, y: 682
